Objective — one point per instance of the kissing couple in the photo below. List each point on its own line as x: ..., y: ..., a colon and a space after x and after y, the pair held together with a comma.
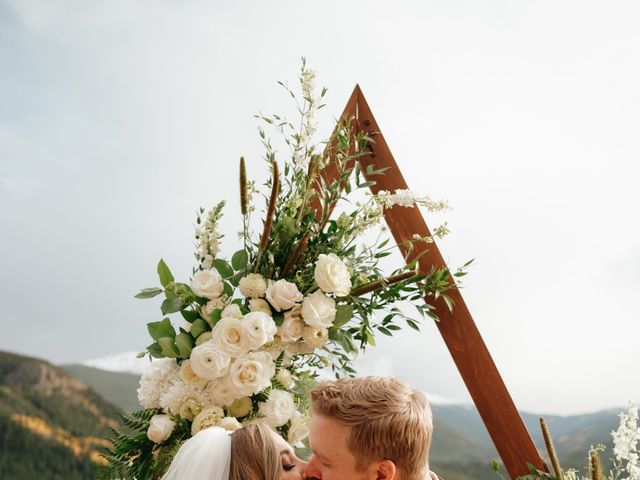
x: 368, y: 428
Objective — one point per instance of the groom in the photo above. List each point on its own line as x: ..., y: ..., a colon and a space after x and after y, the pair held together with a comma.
x: 369, y: 428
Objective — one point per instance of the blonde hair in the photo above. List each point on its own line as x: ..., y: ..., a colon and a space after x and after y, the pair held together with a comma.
x: 387, y: 420
x: 254, y: 455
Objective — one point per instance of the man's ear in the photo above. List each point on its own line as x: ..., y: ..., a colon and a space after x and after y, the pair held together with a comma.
x: 386, y: 470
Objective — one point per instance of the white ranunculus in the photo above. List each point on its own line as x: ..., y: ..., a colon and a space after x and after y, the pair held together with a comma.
x: 230, y: 424
x: 208, y: 417
x: 207, y: 284
x: 232, y: 310
x: 299, y: 429
x: 231, y: 336
x: 292, y: 326
x: 259, y: 305
x: 187, y: 374
x: 160, y: 428
x: 253, y: 285
x: 221, y: 392
x: 260, y: 328
x: 332, y: 275
x: 319, y: 310
x: 278, y: 408
x: 283, y: 295
x: 285, y: 378
x: 240, y: 407
x: 209, y: 361
x: 251, y: 373
x: 155, y: 380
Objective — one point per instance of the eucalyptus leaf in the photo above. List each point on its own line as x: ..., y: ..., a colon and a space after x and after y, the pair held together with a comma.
x: 239, y: 260
x: 344, y: 313
x: 155, y: 350
x: 164, y: 273
x: 198, y: 327
x: 168, y: 347
x: 223, y: 268
x: 171, y: 304
x: 160, y: 329
x: 149, y: 292
x: 184, y: 342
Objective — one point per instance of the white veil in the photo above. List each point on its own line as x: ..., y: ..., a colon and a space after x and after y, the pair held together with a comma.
x: 205, y: 456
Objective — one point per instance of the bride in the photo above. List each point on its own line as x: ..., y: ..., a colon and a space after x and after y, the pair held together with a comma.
x: 254, y: 451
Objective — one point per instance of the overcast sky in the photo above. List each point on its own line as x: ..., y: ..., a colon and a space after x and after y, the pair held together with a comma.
x: 119, y: 119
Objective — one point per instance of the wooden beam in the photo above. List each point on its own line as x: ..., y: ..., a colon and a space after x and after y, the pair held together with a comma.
x: 458, y: 330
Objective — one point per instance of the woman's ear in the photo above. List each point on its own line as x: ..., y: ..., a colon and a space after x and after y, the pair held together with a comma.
x: 386, y: 470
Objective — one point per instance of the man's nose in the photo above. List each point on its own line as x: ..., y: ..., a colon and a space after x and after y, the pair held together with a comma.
x: 312, y: 470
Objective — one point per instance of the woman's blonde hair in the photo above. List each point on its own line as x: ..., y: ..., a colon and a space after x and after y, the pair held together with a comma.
x: 387, y: 420
x: 254, y: 455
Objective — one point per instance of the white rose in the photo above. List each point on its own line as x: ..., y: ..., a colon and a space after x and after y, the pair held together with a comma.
x: 221, y: 392
x: 209, y: 361
x: 230, y: 334
x: 299, y: 429
x: 315, y: 338
x: 259, y: 305
x: 285, y: 378
x: 240, y: 407
x: 292, y: 326
x: 332, y: 275
x: 278, y: 408
x: 319, y: 310
x: 251, y: 373
x: 208, y: 417
x: 253, y: 285
x: 230, y: 424
x: 232, y: 310
x: 187, y: 374
x: 260, y: 328
x: 207, y: 284
x: 160, y: 428
x: 283, y: 295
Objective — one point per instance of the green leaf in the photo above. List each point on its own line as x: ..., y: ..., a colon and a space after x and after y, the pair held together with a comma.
x: 198, y: 327
x: 344, y: 313
x: 278, y: 317
x: 149, y: 292
x: 184, y: 342
x: 168, y: 347
x: 162, y: 328
x: 189, y: 315
x: 228, y: 289
x: 239, y: 260
x: 215, y: 316
x: 164, y: 273
x: 369, y: 337
x: 155, y: 350
x: 171, y: 304
x: 223, y: 268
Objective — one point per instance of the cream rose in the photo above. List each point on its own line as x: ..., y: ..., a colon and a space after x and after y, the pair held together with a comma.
x: 215, y: 304
x: 251, y: 373
x: 209, y: 361
x: 253, y: 285
x: 299, y: 429
x: 278, y: 408
x: 292, y: 326
x: 160, y: 428
x: 319, y: 310
x: 187, y: 375
x: 221, y: 392
x: 208, y: 417
x: 240, y: 407
x: 283, y: 295
x: 260, y: 328
x: 315, y: 338
x: 232, y: 310
x: 332, y: 275
x: 259, y: 305
x: 231, y: 336
x: 207, y: 284
x: 230, y: 424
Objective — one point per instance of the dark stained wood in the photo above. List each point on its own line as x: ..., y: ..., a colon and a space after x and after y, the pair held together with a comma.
x: 459, y: 331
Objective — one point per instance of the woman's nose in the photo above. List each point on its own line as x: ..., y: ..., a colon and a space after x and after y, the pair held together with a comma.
x: 312, y: 470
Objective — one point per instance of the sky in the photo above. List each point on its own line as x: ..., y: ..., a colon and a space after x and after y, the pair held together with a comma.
x: 119, y: 119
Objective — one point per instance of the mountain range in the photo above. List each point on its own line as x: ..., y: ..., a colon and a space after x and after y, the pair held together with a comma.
x: 54, y: 419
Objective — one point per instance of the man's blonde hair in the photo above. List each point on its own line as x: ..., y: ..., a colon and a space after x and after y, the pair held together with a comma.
x: 388, y: 420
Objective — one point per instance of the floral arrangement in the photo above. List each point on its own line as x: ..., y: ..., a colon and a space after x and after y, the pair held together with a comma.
x: 625, y: 464
x: 258, y: 327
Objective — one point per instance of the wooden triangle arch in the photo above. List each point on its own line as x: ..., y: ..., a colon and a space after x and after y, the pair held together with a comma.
x: 458, y: 330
